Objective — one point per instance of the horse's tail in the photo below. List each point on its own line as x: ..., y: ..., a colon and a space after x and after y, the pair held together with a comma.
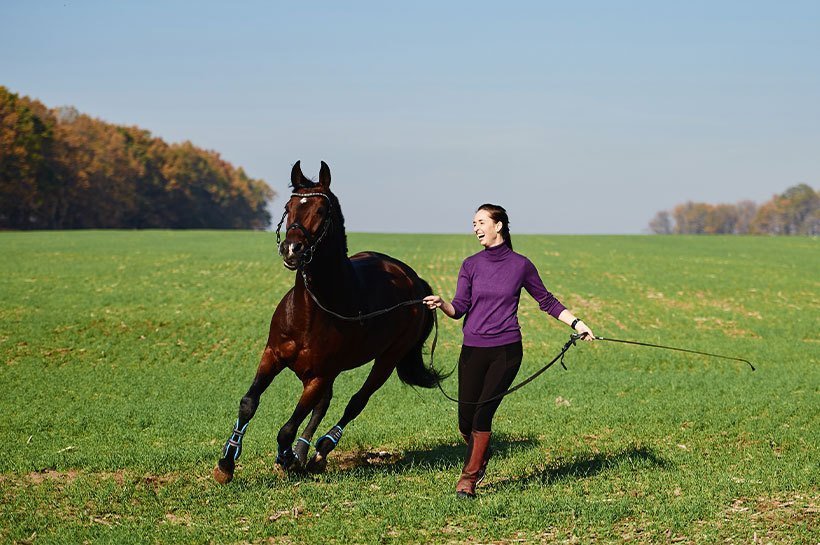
x: 411, y: 369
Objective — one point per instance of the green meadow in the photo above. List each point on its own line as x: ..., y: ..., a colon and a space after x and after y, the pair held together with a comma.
x: 125, y: 355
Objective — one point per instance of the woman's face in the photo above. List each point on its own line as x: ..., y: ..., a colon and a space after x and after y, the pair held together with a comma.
x: 487, y: 231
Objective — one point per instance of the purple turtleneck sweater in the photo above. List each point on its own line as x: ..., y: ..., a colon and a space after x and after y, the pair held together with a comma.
x: 488, y: 291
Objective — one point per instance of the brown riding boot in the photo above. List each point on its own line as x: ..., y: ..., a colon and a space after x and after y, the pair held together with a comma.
x: 483, y: 470
x: 476, y: 461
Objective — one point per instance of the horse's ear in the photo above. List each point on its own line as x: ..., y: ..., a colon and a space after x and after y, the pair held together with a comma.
x: 297, y: 179
x: 324, y: 175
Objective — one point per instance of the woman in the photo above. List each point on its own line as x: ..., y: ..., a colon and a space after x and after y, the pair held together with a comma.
x: 488, y: 291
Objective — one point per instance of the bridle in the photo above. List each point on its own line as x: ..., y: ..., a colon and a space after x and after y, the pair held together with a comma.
x: 307, y: 255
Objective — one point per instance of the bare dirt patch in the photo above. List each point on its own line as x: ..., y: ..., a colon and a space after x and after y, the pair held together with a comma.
x: 366, y: 458
x: 158, y: 481
x: 773, y: 519
x: 39, y: 477
x: 63, y: 478
x: 177, y: 519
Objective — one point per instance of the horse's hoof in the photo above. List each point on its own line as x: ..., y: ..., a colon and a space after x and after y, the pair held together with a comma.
x: 279, y: 471
x: 294, y: 468
x: 287, y: 462
x: 317, y: 464
x: 221, y: 476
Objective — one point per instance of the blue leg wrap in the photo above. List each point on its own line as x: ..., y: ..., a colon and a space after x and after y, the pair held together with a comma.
x: 335, y: 435
x: 301, y: 449
x: 235, y: 441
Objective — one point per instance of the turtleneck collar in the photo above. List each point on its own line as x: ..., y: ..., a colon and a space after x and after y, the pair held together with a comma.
x: 497, y: 253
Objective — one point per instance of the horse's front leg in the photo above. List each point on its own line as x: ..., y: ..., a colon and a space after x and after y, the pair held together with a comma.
x: 314, y: 391
x: 302, y: 445
x: 269, y: 367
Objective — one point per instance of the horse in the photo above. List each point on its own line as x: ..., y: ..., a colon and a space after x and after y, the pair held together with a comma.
x: 326, y: 324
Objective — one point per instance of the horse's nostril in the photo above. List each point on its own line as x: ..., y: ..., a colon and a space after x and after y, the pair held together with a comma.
x: 297, y: 247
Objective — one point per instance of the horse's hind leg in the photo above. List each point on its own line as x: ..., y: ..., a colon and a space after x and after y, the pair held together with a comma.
x: 379, y: 374
x: 300, y: 449
x: 268, y: 368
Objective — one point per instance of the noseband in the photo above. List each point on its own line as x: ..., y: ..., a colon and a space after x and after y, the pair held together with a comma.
x: 307, y: 255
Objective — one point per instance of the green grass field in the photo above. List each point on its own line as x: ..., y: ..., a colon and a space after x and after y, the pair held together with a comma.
x: 125, y: 354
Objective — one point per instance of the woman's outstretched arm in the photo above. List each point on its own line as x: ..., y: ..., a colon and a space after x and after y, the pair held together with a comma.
x: 435, y: 301
x: 568, y: 318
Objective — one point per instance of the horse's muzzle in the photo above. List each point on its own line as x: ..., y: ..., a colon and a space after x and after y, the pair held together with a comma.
x: 291, y: 253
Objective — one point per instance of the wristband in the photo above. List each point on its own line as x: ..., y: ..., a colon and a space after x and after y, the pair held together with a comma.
x: 575, y: 322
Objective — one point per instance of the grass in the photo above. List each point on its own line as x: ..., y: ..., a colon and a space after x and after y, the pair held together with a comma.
x: 125, y: 354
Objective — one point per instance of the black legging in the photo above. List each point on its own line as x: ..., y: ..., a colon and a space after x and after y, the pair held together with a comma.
x: 482, y: 374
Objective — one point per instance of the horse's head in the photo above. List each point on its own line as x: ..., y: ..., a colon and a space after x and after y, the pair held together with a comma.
x: 309, y: 217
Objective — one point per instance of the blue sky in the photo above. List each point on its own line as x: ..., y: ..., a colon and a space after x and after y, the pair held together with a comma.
x: 584, y: 117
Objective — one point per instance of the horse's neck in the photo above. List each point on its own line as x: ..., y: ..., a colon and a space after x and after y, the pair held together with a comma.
x: 332, y: 281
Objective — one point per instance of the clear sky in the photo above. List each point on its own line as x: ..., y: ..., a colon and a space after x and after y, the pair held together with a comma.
x: 578, y: 117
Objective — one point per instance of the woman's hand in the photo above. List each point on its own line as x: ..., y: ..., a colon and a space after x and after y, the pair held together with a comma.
x: 582, y: 328
x: 577, y: 324
x: 434, y: 301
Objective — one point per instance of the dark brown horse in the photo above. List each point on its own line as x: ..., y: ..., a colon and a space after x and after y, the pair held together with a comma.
x: 315, y: 333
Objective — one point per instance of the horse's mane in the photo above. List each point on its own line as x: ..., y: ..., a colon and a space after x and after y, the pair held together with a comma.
x: 336, y: 233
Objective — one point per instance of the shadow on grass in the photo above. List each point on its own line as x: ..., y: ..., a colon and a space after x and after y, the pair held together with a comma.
x: 450, y: 457
x: 584, y: 466
x: 440, y: 457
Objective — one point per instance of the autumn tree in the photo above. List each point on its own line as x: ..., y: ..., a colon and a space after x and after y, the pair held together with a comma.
x: 662, y: 223
x: 795, y: 212
x: 25, y: 140
x: 96, y: 177
x: 721, y: 219
x: 691, y: 218
x: 746, y: 213
x: 60, y: 169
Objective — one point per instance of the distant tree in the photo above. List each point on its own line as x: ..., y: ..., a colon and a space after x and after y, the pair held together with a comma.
x: 721, y: 219
x: 153, y: 206
x: 25, y: 141
x: 61, y: 169
x: 66, y: 114
x: 811, y: 225
x: 795, y: 212
x: 803, y: 209
x: 661, y: 224
x: 691, y: 217
x: 96, y: 175
x: 746, y: 212
x: 770, y: 218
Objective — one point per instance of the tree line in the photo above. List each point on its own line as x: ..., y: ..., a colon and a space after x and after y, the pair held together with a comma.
x: 60, y: 169
x: 794, y: 212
